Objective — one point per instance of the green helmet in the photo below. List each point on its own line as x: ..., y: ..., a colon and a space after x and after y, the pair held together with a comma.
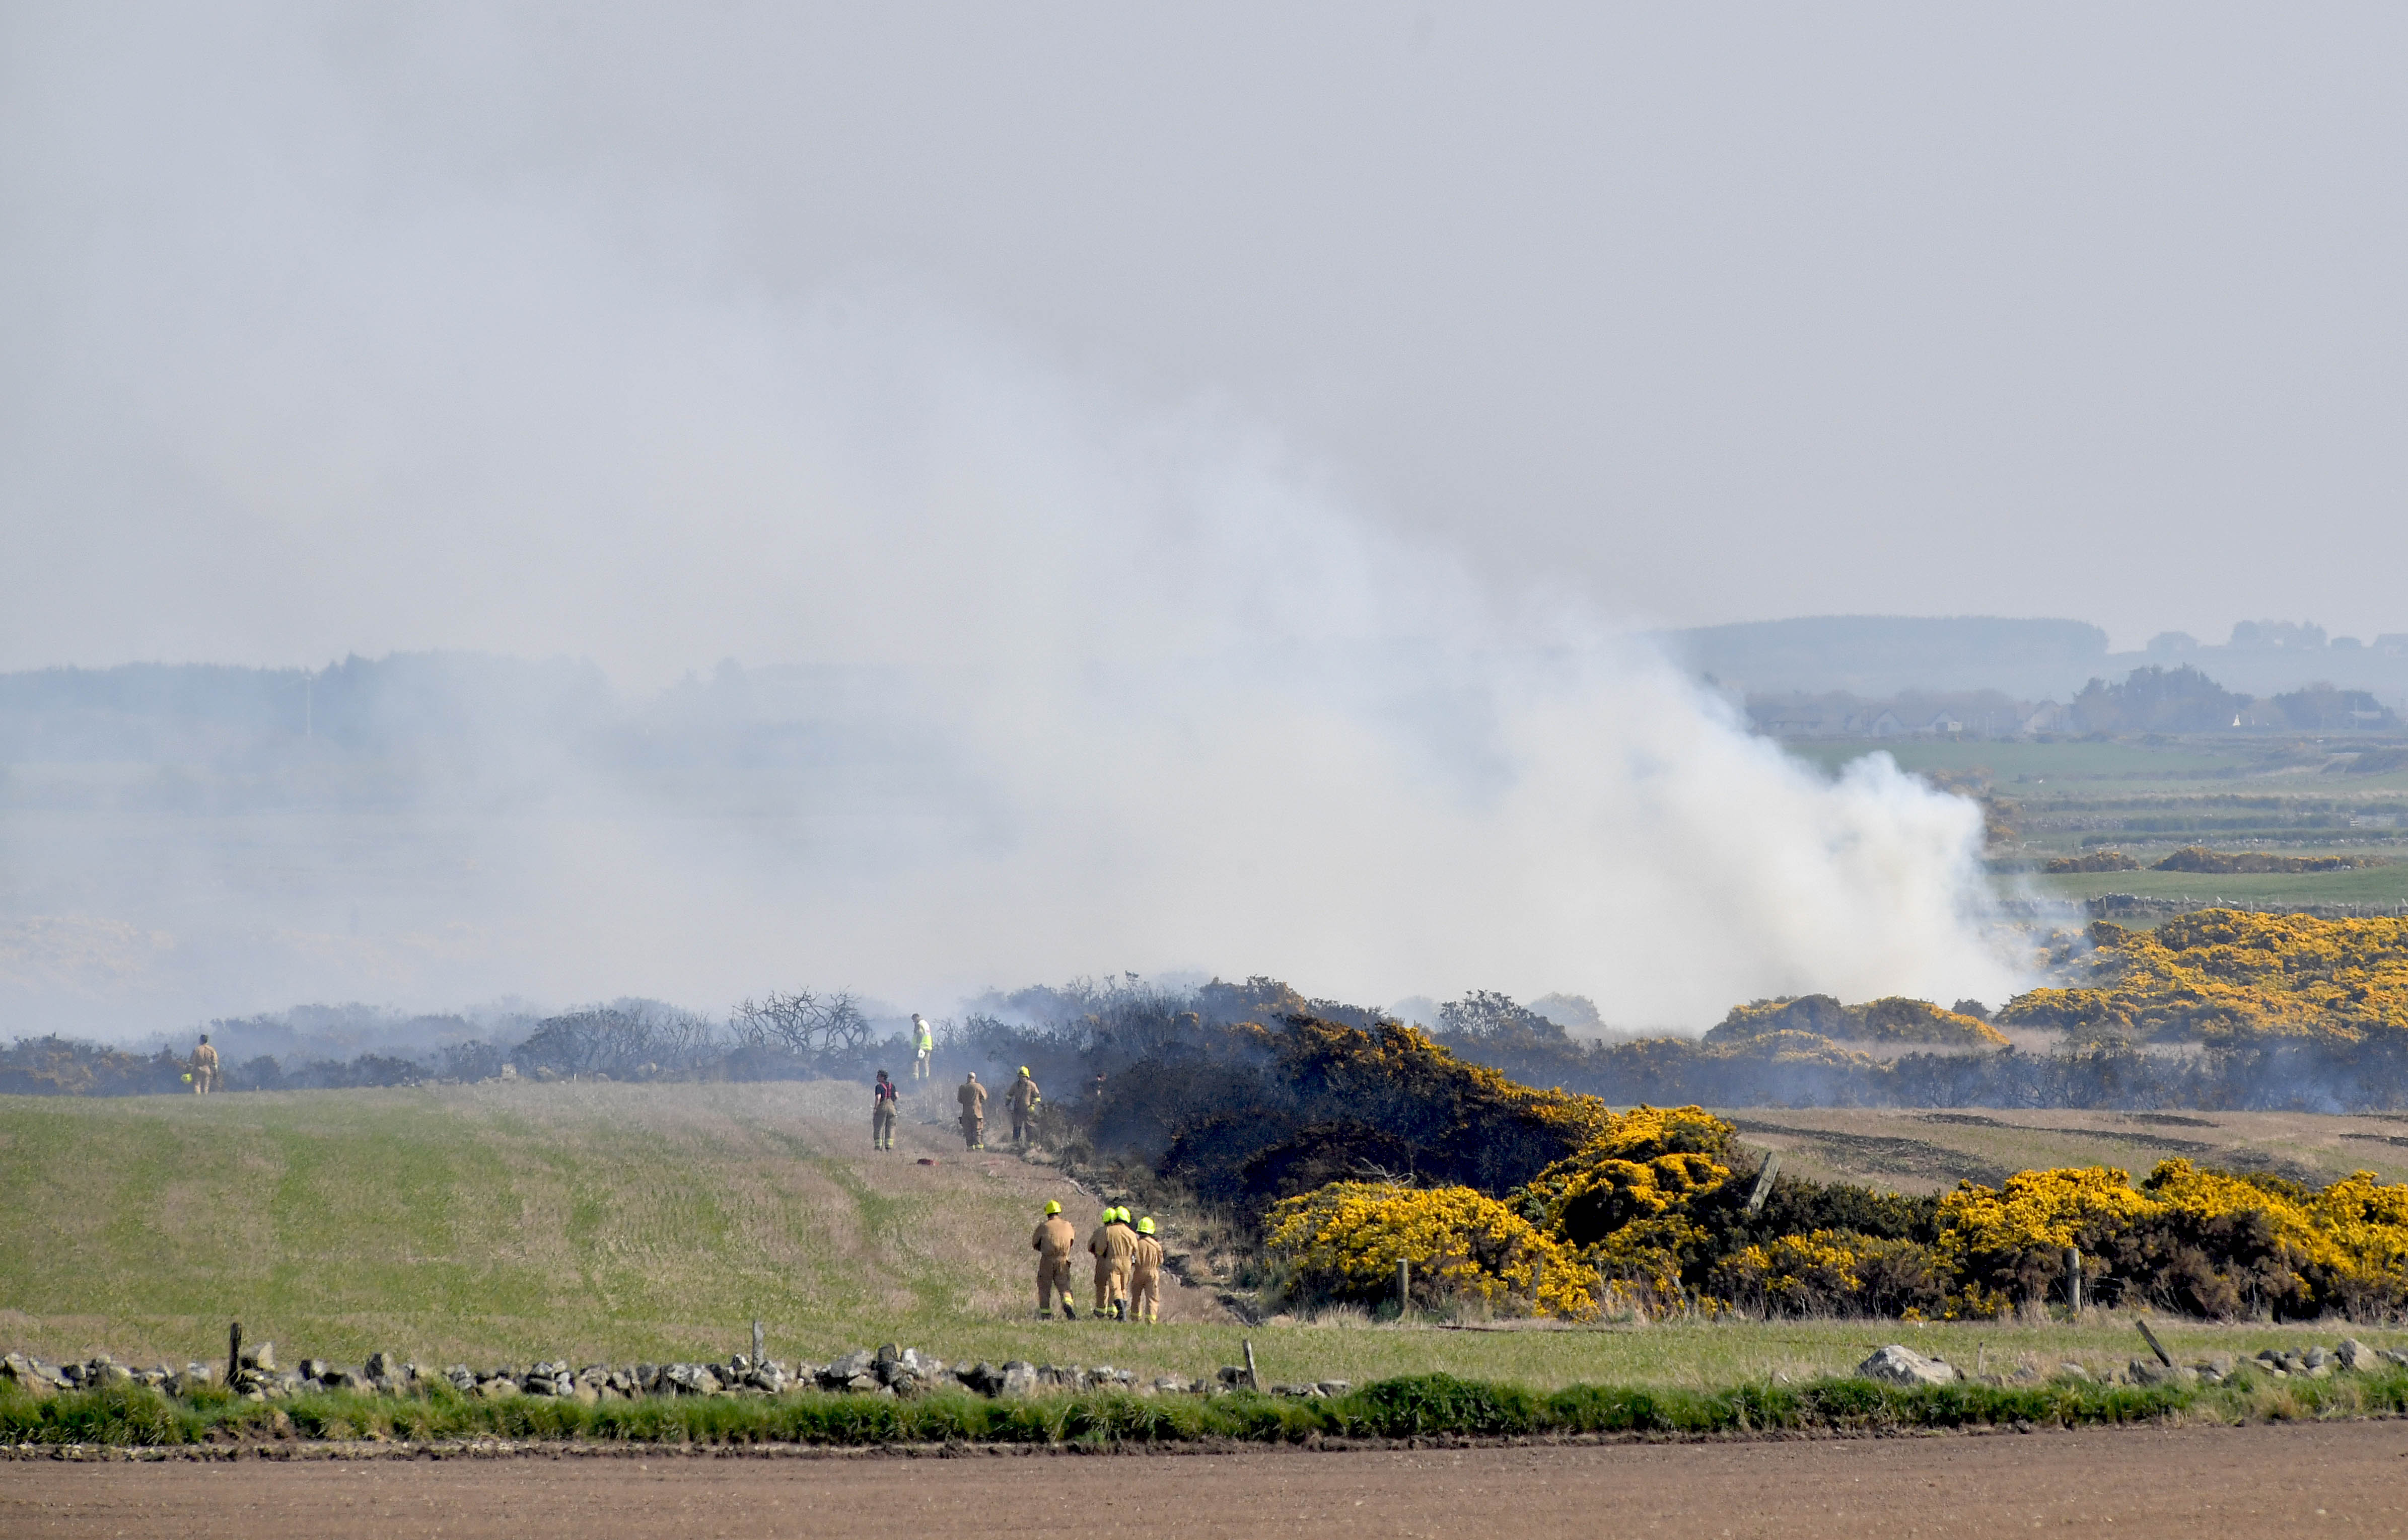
x: 1145, y: 1226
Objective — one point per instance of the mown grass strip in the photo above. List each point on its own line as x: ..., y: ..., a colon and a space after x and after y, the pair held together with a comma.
x: 1414, y: 1406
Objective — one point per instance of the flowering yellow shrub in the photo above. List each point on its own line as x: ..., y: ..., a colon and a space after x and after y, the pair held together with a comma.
x: 2205, y: 1240
x: 1833, y: 1271
x: 1893, y: 1019
x: 2228, y: 976
x: 1346, y: 1239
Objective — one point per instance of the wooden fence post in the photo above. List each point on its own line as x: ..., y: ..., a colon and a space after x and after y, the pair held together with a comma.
x: 756, y: 1343
x: 1404, y: 1287
x: 2074, y: 1278
x: 233, y: 1351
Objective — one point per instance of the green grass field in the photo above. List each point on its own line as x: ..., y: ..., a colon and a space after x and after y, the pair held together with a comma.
x: 2384, y: 885
x: 499, y: 1224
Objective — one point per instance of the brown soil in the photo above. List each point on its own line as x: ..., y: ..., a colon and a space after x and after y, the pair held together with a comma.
x: 2225, y: 1483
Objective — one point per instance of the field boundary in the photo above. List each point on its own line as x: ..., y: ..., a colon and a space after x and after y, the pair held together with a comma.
x: 1406, y: 1412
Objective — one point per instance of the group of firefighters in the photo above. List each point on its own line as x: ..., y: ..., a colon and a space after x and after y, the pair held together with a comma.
x: 1128, y: 1258
x: 1128, y: 1265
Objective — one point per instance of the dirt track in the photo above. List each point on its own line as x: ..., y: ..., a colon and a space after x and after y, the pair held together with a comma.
x: 2198, y: 1484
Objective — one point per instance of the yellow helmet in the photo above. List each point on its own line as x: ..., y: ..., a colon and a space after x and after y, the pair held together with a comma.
x: 1145, y: 1226
x: 1053, y: 1207
x: 1024, y: 1072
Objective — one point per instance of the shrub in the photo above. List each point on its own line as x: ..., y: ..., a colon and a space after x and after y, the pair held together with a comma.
x: 2095, y: 861
x: 1343, y: 1242
x: 1893, y: 1019
x: 2228, y: 976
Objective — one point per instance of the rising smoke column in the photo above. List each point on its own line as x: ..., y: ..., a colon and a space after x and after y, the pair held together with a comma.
x: 1160, y: 694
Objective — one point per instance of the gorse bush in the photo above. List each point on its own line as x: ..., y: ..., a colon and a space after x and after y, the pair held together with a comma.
x: 1653, y: 1215
x: 2224, y: 976
x: 1343, y: 1243
x: 1892, y: 1020
x: 2188, y: 1238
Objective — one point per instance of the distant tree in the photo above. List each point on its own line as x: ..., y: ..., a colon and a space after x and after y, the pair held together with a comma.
x: 1489, y: 1016
x: 803, y: 1023
x: 2320, y: 708
x: 2157, y: 700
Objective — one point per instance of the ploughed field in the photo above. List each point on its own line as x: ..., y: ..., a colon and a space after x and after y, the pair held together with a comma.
x: 2180, y: 1483
x: 502, y: 1225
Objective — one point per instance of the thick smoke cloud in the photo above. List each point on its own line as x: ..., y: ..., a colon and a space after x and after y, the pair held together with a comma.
x: 1123, y: 683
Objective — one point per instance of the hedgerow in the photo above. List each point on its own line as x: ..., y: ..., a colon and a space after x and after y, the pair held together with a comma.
x: 1416, y: 1406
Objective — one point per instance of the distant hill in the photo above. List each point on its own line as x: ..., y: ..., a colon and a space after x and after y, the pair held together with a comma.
x: 1875, y: 656
x: 1882, y: 654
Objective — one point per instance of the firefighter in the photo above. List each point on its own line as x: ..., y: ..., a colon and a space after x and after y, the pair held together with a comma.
x: 972, y: 1097
x: 1145, y: 1275
x: 924, y: 1045
x: 882, y: 1113
x: 1022, y: 1096
x: 1052, y: 1243
x: 204, y: 1066
x: 1114, y: 1245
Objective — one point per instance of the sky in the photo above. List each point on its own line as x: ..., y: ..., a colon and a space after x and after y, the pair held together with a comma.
x: 1244, y: 442
x: 1702, y: 315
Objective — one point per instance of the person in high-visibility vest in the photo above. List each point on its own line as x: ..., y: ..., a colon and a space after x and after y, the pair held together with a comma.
x: 923, y: 1044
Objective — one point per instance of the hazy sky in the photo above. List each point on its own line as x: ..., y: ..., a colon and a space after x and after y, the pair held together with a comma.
x: 1703, y: 313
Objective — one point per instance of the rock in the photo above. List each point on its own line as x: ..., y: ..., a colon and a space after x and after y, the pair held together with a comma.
x: 260, y: 1355
x: 2316, y: 1357
x: 1333, y: 1388
x: 497, y: 1388
x: 1019, y: 1378
x: 865, y: 1382
x: 333, y: 1378
x: 1172, y: 1385
x: 1899, y: 1365
x: 841, y: 1372
x: 383, y: 1366
x: 2355, y: 1356
x: 21, y: 1369
x: 312, y: 1368
x: 1233, y: 1374
x: 2393, y: 1355
x: 2148, y: 1370
x: 983, y: 1378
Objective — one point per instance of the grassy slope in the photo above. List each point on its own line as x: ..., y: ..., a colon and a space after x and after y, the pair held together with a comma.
x: 1918, y: 1151
x: 616, y: 1223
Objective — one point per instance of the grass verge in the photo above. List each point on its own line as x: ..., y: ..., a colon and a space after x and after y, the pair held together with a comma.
x: 1415, y: 1406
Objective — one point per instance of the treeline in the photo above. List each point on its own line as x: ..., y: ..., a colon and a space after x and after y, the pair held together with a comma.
x: 1789, y: 1069
x: 785, y: 1036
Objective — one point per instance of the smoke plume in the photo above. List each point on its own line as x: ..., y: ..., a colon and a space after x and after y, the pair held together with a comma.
x: 1066, y: 676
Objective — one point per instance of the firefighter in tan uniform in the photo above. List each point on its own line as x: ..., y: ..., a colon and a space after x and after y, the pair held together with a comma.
x: 1023, y: 1099
x: 1145, y: 1275
x: 1114, y: 1246
x: 204, y: 1066
x: 883, y: 1097
x: 972, y: 1097
x: 1054, y: 1237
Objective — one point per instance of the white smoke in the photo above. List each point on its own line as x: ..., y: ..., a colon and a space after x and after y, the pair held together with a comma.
x: 1160, y: 696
